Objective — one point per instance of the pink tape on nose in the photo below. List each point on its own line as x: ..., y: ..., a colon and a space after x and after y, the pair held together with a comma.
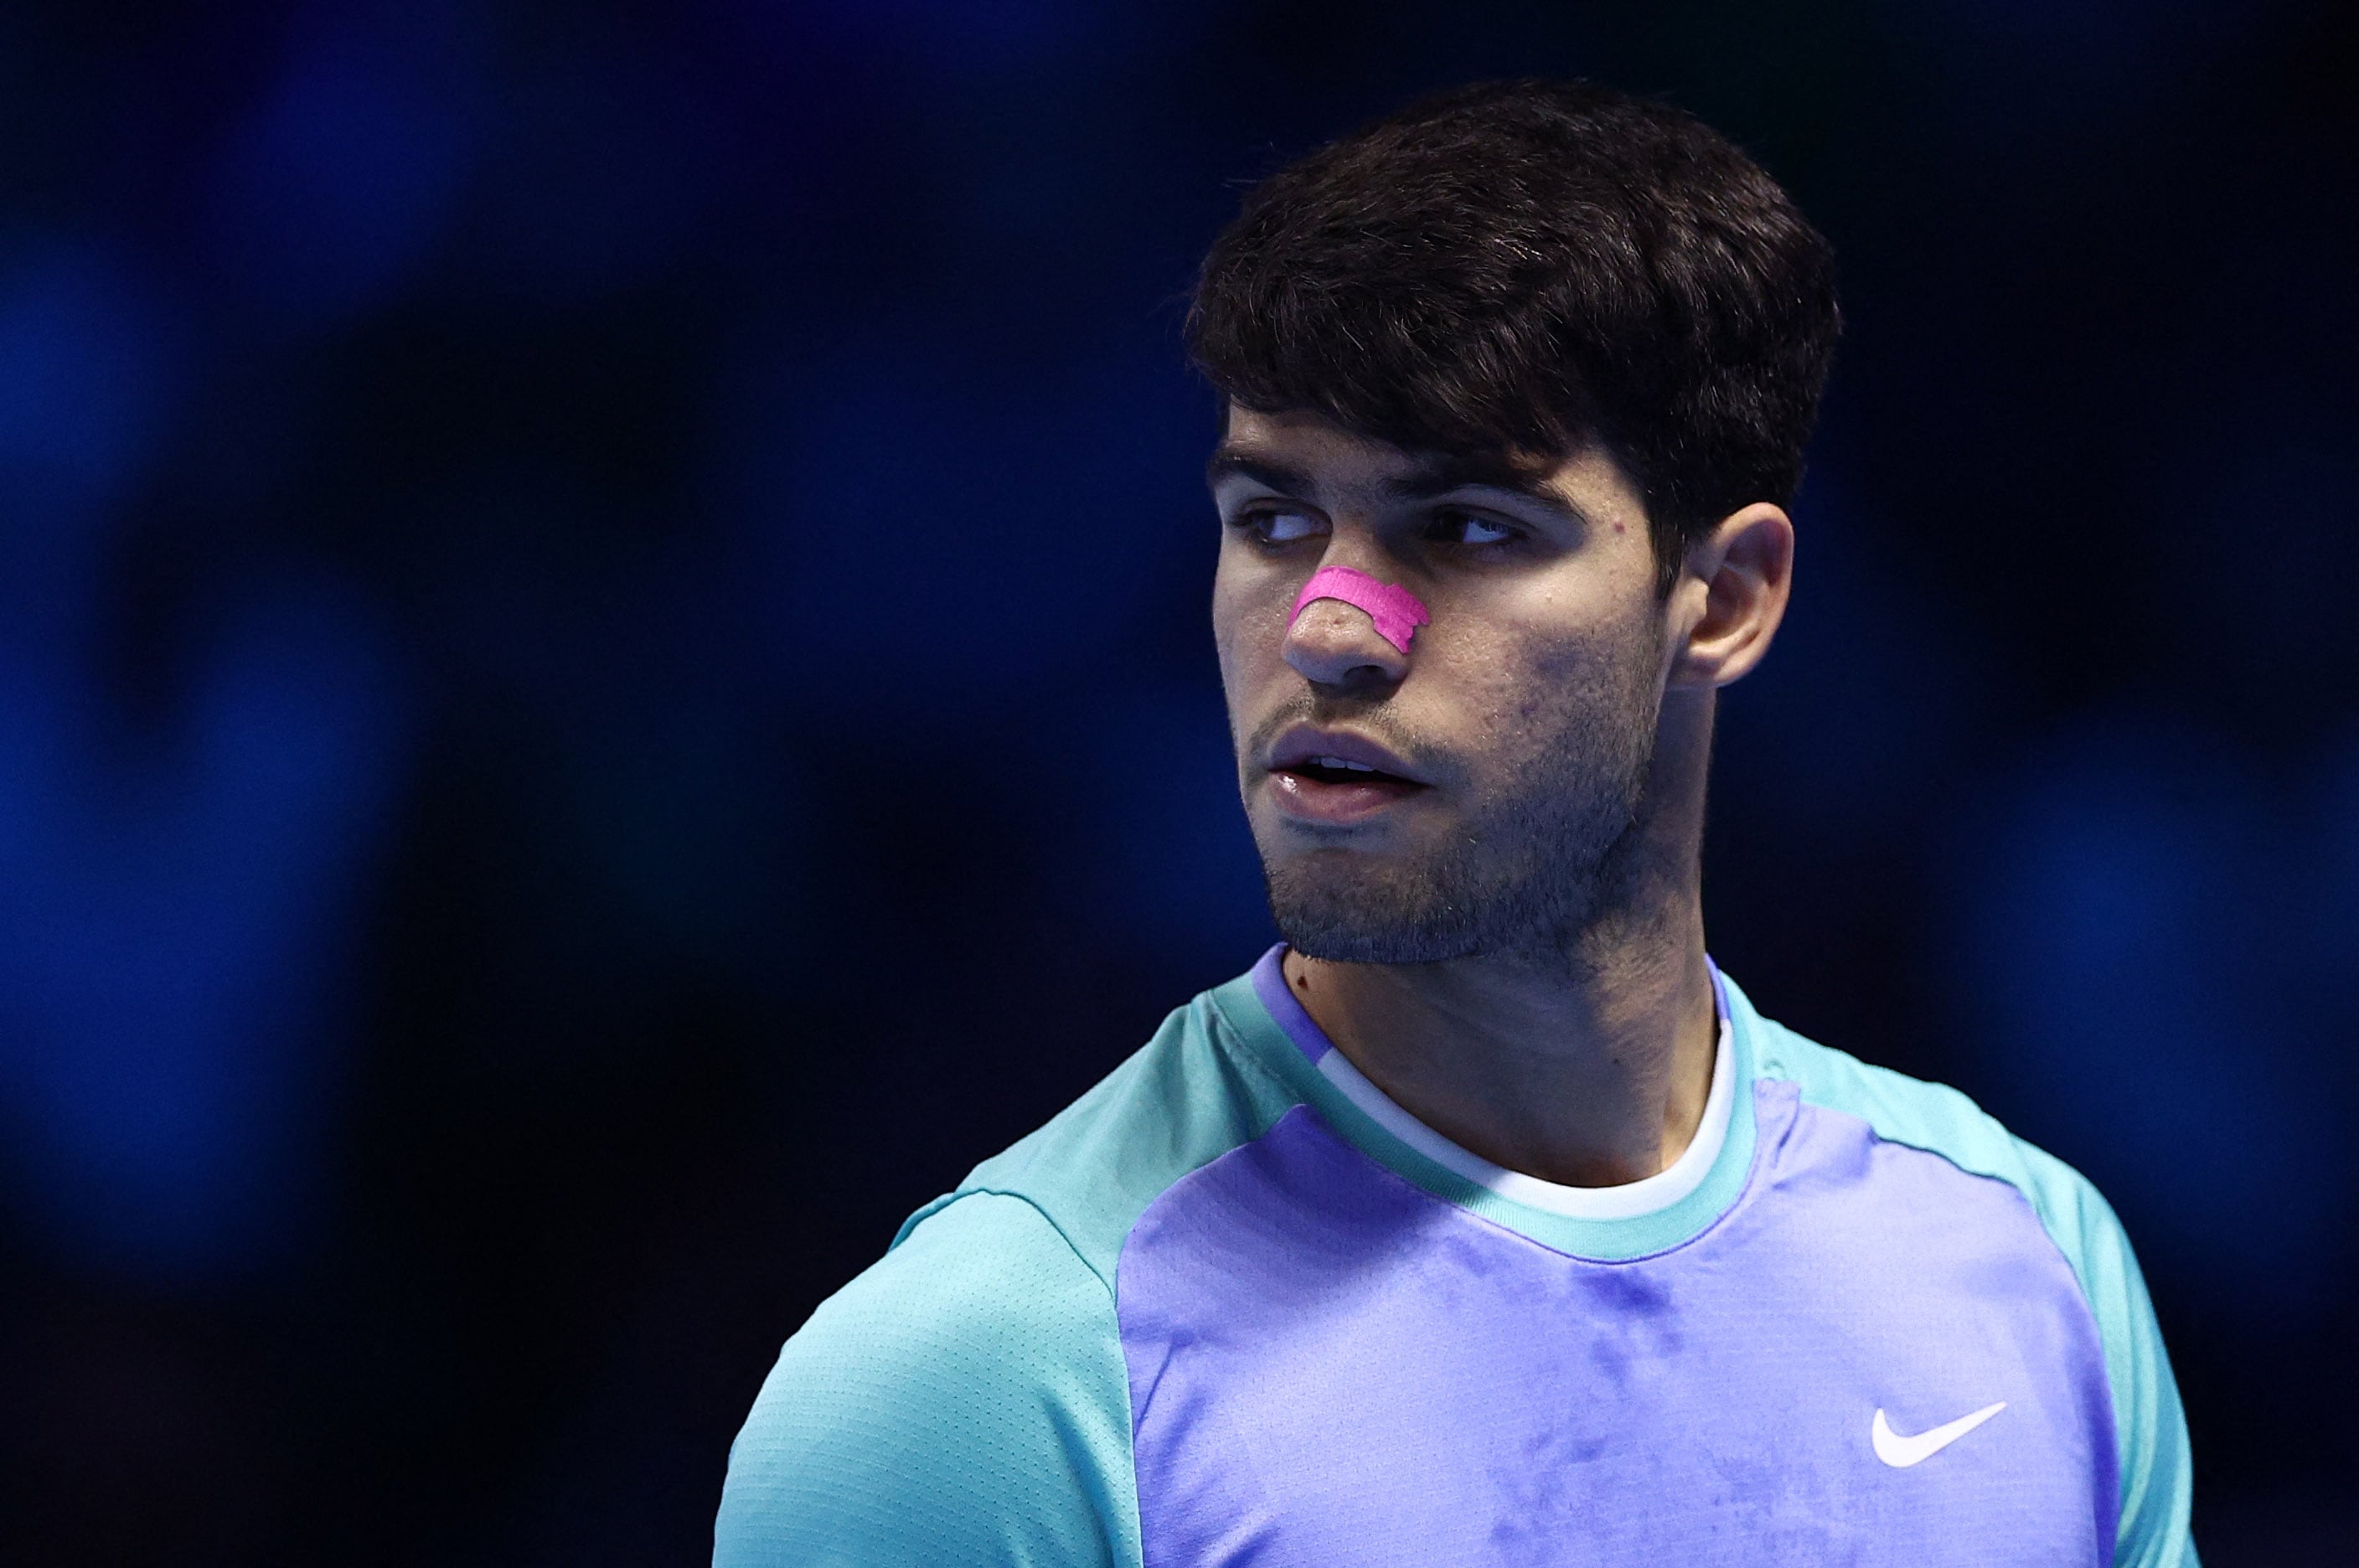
x: 1396, y: 610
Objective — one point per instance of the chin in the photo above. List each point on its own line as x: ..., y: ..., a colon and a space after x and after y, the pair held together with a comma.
x: 1357, y: 909
x: 1371, y: 920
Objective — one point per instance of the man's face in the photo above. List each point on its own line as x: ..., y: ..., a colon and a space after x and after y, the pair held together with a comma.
x: 1511, y: 742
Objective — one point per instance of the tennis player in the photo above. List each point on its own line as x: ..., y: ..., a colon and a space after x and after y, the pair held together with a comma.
x: 1485, y: 1221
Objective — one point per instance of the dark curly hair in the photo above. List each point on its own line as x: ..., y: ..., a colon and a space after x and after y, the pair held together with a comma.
x: 1516, y: 271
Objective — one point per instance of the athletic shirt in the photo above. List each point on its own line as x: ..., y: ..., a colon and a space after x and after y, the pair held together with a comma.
x: 1235, y: 1306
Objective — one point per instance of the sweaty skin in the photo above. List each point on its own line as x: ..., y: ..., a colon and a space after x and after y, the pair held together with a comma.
x: 1501, y: 928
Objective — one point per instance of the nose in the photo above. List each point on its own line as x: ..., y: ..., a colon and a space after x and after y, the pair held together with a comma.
x: 1332, y: 643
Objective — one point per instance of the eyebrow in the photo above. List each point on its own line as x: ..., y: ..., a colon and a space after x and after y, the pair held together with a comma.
x: 1227, y: 460
x: 1436, y: 477
x: 1440, y: 476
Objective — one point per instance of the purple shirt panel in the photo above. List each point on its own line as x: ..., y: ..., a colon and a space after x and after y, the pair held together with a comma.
x: 1329, y: 1364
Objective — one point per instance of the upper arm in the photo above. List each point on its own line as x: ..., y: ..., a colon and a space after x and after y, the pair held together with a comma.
x: 963, y: 1401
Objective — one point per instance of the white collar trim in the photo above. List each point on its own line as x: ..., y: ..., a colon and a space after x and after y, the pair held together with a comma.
x: 1646, y: 1196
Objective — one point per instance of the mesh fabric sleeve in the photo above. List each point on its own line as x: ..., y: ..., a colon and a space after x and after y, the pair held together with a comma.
x: 963, y: 1402
x: 2157, y: 1472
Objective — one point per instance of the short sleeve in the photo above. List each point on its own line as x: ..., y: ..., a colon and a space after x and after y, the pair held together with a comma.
x: 964, y: 1401
x: 2157, y: 1471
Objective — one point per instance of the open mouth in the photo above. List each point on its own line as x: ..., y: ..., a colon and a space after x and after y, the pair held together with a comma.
x: 1337, y: 777
x: 1342, y: 770
x: 1315, y: 785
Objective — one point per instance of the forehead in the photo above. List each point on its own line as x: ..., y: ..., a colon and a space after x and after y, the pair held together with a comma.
x: 1313, y: 442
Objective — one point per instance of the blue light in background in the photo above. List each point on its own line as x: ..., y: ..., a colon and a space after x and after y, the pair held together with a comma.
x: 338, y: 183
x: 174, y: 895
x: 83, y: 377
x: 933, y: 531
x: 594, y: 170
x: 2133, y: 952
x: 2336, y: 932
x: 2018, y: 73
x: 1867, y: 695
x: 2256, y: 578
x: 175, y: 914
x: 1163, y: 856
x: 962, y: 37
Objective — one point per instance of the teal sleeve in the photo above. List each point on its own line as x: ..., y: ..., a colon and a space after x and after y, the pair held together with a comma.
x: 963, y: 1402
x: 2158, y: 1473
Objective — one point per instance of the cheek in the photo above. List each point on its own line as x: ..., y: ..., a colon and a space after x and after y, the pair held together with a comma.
x: 1226, y: 618
x: 1531, y: 696
x: 1247, y: 631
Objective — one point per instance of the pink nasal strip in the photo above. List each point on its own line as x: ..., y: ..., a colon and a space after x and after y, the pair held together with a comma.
x: 1396, y: 610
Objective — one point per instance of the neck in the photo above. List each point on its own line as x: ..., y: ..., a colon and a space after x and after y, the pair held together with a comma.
x: 1586, y: 1061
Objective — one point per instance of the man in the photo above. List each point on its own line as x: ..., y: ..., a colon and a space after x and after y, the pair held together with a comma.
x: 1485, y: 1222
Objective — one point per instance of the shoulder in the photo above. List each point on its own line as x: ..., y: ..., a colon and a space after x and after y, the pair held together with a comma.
x: 2150, y: 1429
x: 1196, y: 1090
x: 1942, y: 1121
x: 964, y: 1400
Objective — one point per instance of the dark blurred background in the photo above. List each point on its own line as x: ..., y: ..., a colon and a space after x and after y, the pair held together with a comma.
x: 604, y: 683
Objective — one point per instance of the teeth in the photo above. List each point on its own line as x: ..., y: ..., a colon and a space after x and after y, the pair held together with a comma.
x: 1340, y: 762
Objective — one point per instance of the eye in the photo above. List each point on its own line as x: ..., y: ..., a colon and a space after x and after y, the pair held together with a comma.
x: 1467, y: 527
x: 1279, y: 525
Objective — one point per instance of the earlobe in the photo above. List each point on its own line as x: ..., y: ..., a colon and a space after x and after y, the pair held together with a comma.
x: 1744, y: 568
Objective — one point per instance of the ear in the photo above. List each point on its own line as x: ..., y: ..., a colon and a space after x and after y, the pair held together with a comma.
x: 1731, y: 596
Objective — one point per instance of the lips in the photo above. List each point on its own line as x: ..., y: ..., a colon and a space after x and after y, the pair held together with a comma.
x: 1334, y: 777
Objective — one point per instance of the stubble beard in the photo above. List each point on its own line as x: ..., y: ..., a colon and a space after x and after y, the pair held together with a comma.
x: 1555, y: 848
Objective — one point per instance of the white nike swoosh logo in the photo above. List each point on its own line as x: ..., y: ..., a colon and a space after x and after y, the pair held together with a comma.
x: 1902, y: 1452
